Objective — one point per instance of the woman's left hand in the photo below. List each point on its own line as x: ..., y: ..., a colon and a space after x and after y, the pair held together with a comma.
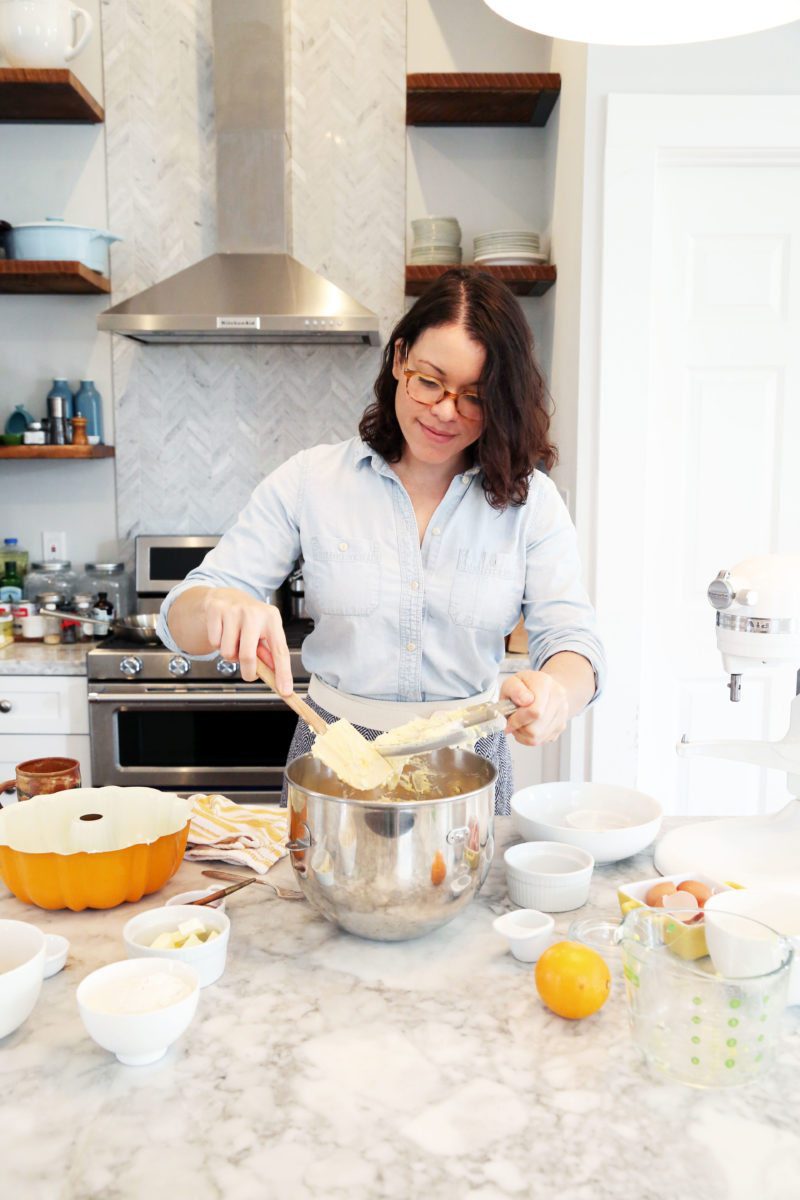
x: 542, y: 707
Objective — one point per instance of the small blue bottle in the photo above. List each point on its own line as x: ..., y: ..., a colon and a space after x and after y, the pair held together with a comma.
x: 88, y: 403
x: 61, y: 388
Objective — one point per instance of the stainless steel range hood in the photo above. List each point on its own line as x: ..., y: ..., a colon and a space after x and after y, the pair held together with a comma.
x: 243, y: 298
x: 252, y: 290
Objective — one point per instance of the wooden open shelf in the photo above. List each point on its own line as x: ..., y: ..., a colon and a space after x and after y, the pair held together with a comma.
x: 479, y: 99
x: 39, y: 94
x: 34, y: 277
x: 523, y: 281
x: 56, y: 451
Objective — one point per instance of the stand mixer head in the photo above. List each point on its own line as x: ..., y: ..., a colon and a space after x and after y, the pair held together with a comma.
x: 758, y: 615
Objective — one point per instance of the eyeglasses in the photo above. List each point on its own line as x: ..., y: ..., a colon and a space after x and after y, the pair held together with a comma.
x: 429, y: 391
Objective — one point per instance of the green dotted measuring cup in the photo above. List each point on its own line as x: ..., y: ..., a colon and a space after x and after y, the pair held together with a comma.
x: 715, y: 1021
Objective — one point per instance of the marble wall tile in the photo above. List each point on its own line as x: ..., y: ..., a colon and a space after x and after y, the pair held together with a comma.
x: 198, y: 427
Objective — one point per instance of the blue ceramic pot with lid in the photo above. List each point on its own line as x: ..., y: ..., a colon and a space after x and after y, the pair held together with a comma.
x: 19, y: 420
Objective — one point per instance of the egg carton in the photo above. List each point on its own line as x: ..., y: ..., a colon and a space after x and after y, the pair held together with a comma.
x: 691, y: 943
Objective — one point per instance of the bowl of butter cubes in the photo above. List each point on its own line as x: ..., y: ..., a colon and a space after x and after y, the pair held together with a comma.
x: 182, y: 932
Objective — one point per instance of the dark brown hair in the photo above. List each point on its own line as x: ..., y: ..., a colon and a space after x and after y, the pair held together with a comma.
x: 514, y: 438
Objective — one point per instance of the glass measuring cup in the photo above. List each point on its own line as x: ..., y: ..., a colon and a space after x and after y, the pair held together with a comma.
x: 713, y: 1021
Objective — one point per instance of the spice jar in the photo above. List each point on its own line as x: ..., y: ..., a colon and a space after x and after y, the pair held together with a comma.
x: 83, y: 604
x: 6, y: 625
x: 48, y: 610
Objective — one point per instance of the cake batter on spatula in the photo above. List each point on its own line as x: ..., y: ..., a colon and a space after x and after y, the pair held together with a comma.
x: 339, y: 746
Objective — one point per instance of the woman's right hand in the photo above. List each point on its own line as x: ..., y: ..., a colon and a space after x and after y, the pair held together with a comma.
x: 243, y: 628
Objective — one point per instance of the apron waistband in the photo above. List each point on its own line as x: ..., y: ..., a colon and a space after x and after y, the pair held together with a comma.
x: 384, y: 714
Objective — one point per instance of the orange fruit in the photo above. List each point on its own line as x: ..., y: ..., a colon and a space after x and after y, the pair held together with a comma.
x: 572, y: 980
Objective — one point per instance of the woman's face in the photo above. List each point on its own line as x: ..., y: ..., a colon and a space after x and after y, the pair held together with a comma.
x: 438, y: 434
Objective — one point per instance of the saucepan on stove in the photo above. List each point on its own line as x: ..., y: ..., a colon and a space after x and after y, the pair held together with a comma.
x: 395, y: 866
x: 141, y: 627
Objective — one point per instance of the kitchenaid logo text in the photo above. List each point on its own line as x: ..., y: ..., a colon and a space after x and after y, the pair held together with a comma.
x: 238, y: 322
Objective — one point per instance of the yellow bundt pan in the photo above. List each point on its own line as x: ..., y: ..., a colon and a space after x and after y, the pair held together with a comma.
x: 92, y: 847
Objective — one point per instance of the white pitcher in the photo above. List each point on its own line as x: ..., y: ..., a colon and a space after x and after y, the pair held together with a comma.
x: 42, y: 33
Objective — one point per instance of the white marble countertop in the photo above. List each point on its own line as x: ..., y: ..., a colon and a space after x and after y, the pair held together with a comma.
x: 34, y: 658
x: 321, y: 1065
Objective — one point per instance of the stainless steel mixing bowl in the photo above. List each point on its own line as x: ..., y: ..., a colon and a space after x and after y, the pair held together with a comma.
x: 392, y: 869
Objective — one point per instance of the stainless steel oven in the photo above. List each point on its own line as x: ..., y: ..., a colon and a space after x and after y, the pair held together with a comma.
x: 195, y: 738
x: 164, y: 720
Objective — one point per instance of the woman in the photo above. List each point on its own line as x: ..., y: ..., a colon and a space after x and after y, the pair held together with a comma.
x: 423, y: 540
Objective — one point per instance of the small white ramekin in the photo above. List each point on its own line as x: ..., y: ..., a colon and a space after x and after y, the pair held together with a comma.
x: 526, y: 931
x: 549, y: 876
x: 208, y: 959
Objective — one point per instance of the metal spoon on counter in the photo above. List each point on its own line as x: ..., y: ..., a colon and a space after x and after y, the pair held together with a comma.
x: 281, y: 892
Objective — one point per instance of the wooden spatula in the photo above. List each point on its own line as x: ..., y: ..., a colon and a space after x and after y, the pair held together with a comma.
x: 339, y: 746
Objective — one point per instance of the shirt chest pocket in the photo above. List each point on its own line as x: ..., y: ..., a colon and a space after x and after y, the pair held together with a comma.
x: 487, y: 591
x: 344, y: 579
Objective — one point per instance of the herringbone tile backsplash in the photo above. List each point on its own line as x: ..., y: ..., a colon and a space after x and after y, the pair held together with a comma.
x: 198, y: 427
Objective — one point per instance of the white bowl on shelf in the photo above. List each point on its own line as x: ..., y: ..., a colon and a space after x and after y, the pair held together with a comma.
x: 207, y: 959
x: 438, y: 230
x: 626, y: 821
x: 137, y: 1038
x: 526, y: 932
x: 22, y: 956
x: 548, y: 876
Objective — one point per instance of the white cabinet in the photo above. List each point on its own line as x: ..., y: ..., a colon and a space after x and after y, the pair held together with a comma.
x: 44, y: 716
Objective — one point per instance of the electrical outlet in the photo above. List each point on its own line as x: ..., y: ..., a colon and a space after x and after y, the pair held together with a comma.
x: 54, y: 545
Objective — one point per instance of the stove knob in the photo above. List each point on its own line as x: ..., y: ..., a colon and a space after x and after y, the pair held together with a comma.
x: 227, y: 668
x: 179, y: 665
x: 131, y: 665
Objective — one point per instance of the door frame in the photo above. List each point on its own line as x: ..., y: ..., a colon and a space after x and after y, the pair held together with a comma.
x: 642, y: 132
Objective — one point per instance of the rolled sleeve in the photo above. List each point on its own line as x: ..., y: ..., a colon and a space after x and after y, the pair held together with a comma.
x: 258, y: 551
x: 557, y: 610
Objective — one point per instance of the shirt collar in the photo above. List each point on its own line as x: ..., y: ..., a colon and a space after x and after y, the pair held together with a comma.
x: 363, y: 451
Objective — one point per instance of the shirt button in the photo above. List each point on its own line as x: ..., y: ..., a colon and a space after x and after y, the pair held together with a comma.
x: 411, y: 647
x: 465, y: 478
x: 342, y: 546
x: 436, y: 531
x: 414, y: 585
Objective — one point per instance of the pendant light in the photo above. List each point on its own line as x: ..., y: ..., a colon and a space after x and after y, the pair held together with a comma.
x: 644, y: 23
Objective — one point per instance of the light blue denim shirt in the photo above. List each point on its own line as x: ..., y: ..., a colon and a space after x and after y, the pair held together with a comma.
x: 393, y: 619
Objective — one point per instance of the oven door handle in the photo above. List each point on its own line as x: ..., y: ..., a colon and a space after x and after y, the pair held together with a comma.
x: 264, y: 697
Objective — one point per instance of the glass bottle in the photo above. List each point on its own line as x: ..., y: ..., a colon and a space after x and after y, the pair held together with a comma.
x: 11, y: 584
x: 13, y: 552
x: 88, y: 403
x: 103, y: 608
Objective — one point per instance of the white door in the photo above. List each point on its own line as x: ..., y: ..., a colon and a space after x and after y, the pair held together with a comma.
x: 700, y: 388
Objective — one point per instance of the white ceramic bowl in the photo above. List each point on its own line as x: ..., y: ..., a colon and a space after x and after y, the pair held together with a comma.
x: 22, y: 955
x: 566, y: 812
x: 137, y: 1038
x: 207, y: 959
x: 56, y: 951
x: 526, y: 931
x: 779, y: 910
x: 188, y: 897
x: 549, y: 876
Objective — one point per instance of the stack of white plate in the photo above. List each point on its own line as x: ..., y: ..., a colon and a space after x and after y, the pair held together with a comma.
x: 437, y: 240
x: 508, y: 247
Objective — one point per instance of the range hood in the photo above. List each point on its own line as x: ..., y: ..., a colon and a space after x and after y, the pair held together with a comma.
x: 232, y: 297
x: 252, y: 290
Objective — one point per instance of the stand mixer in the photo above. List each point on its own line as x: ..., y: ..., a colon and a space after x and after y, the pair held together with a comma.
x: 758, y: 627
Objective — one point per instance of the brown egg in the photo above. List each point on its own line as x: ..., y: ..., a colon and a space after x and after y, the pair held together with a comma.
x: 700, y: 891
x: 655, y: 897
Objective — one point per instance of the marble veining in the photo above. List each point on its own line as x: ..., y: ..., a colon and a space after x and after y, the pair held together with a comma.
x: 35, y: 658
x: 322, y: 1065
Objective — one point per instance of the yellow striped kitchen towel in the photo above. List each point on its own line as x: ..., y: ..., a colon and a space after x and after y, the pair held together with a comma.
x: 236, y: 833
